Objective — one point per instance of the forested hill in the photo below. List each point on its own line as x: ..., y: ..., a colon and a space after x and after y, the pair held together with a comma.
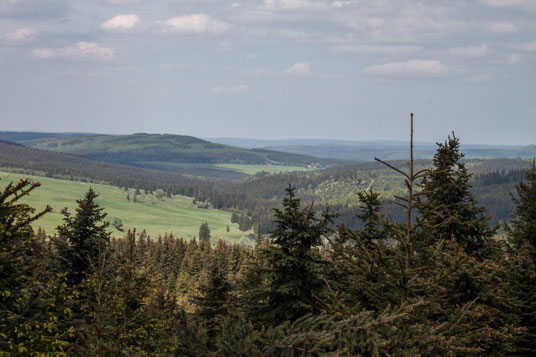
x: 18, y: 158
x: 167, y: 152
x: 367, y: 150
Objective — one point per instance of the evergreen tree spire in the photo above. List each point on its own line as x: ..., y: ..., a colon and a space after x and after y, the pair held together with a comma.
x: 78, y: 237
x: 524, y: 220
x: 294, y: 267
x: 450, y: 208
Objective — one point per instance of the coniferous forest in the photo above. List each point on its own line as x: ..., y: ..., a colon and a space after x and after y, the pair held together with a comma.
x: 436, y: 280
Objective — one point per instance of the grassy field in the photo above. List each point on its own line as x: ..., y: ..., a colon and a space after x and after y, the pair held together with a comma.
x: 156, y: 216
x: 248, y: 169
x: 253, y: 169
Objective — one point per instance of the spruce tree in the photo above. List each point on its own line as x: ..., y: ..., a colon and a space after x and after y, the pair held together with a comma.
x: 244, y: 223
x: 370, y: 215
x: 34, y: 319
x: 294, y: 266
x: 450, y: 206
x: 522, y: 263
x: 204, y: 233
x: 214, y: 293
x: 523, y: 223
x: 78, y: 237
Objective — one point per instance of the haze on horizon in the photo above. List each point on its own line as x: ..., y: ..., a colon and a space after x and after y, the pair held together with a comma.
x: 272, y: 69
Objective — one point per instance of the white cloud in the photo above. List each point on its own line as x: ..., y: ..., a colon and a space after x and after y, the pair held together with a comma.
x: 412, y: 67
x: 482, y: 77
x: 292, y: 4
x: 82, y: 50
x: 471, y: 51
x: 121, y: 2
x: 376, y: 49
x: 224, y: 46
x: 524, y: 4
x: 121, y: 22
x: 260, y: 72
x: 514, y: 58
x: 375, y: 22
x: 339, y: 4
x: 503, y: 27
x: 234, y: 89
x: 196, y: 23
x: 527, y: 47
x: 20, y: 35
x: 299, y: 69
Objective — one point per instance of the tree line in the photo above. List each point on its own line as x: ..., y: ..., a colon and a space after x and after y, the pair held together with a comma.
x: 256, y: 196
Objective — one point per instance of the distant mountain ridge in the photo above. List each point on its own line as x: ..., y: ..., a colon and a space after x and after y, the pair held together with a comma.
x: 367, y: 150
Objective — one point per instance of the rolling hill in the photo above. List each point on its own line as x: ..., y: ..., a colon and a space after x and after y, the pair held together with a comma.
x: 177, y: 153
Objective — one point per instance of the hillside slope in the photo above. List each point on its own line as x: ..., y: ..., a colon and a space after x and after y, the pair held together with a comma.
x: 156, y: 214
x: 179, y: 153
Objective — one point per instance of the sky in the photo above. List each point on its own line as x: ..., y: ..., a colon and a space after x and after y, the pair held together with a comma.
x: 272, y: 69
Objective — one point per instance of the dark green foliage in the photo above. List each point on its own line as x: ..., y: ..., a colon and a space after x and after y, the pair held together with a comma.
x: 522, y: 265
x: 235, y: 217
x: 294, y: 266
x: 451, y: 209
x: 33, y: 314
x: 118, y: 318
x: 117, y: 223
x: 523, y: 226
x: 370, y: 215
x: 244, y: 223
x: 462, y: 303
x: 204, y: 233
x: 213, y: 299
x: 78, y: 238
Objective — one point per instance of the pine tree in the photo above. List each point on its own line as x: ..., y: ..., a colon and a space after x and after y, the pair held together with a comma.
x: 213, y: 295
x: 522, y: 263
x: 78, y: 237
x: 34, y: 319
x: 294, y: 266
x: 523, y: 223
x: 244, y: 223
x: 450, y: 206
x: 235, y: 217
x: 204, y: 233
x: 370, y: 215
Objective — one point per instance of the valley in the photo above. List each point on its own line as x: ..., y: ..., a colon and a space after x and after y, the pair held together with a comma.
x: 156, y: 215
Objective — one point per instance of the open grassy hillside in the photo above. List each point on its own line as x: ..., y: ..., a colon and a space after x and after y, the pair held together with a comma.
x: 155, y: 215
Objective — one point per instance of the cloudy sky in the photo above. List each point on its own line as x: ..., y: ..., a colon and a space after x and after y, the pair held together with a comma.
x: 346, y: 69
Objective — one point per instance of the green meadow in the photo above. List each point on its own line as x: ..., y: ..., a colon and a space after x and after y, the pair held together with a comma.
x: 156, y: 216
x: 248, y: 169
x: 253, y: 169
